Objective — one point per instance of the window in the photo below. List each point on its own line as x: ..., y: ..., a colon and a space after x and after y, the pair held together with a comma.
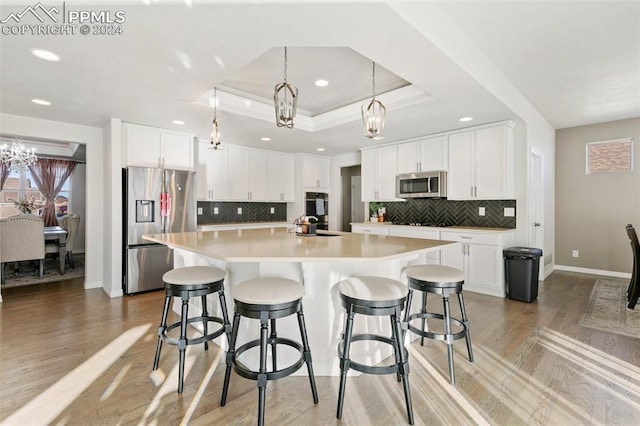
x: 610, y: 156
x: 19, y: 186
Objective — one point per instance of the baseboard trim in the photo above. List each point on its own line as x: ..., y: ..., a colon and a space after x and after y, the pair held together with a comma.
x: 593, y: 271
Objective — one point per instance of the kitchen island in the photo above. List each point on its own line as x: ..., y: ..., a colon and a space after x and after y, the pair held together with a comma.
x: 319, y: 262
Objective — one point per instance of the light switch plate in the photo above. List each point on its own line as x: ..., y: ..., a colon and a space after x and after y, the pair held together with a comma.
x: 509, y: 212
x: 481, y: 211
x: 273, y: 210
x: 199, y: 210
x: 239, y: 210
x: 215, y: 210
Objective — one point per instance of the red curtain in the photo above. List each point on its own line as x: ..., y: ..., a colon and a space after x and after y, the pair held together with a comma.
x: 49, y: 175
x: 4, y: 174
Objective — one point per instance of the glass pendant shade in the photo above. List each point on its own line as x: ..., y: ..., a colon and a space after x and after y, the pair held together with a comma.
x: 215, y: 127
x: 18, y: 158
x: 373, y: 118
x: 285, y: 100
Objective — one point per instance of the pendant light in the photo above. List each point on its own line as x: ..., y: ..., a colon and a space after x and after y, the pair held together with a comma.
x: 215, y: 130
x: 285, y: 99
x: 373, y: 113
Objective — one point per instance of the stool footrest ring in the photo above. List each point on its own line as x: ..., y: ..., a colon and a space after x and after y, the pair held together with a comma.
x: 175, y: 340
x: 437, y: 336
x: 371, y: 369
x: 247, y: 373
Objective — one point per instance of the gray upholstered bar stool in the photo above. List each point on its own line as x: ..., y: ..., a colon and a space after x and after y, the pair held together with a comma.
x: 374, y: 296
x: 188, y: 282
x: 266, y: 299
x: 445, y: 281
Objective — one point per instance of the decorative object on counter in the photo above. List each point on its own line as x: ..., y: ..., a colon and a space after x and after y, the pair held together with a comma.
x: 306, y: 225
x: 377, y: 212
x: 215, y: 131
x: 285, y: 99
x: 373, y: 113
x: 18, y: 158
x: 26, y: 206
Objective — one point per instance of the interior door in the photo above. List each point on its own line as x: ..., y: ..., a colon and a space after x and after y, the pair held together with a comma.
x: 536, y: 205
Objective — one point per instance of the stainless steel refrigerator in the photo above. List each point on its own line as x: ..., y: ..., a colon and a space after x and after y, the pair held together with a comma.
x: 156, y: 201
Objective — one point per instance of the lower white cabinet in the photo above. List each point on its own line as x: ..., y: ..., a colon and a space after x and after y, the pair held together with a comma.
x: 480, y: 257
x: 372, y: 229
x: 432, y: 258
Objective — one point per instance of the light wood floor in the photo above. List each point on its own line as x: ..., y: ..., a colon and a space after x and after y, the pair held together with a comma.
x: 75, y: 357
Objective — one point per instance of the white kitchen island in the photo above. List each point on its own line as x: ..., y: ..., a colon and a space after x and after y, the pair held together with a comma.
x: 319, y: 262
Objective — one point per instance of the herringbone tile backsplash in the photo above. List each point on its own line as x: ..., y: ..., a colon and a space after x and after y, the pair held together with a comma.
x: 251, y: 212
x: 460, y: 213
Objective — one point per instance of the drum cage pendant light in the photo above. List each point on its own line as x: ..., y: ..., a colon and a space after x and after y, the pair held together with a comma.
x: 285, y: 99
x: 215, y: 130
x: 373, y: 113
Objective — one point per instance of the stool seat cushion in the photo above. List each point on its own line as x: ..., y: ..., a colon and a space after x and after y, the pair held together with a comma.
x: 372, y: 288
x: 194, y: 275
x: 268, y: 291
x: 435, y: 273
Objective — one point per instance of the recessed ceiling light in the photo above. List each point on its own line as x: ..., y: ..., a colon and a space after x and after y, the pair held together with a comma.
x: 321, y: 83
x: 463, y: 119
x: 319, y: 149
x: 41, y: 102
x: 265, y: 139
x: 45, y: 54
x: 178, y: 122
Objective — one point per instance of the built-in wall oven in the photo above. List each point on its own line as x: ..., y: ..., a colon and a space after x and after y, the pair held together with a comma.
x: 422, y: 185
x: 317, y: 204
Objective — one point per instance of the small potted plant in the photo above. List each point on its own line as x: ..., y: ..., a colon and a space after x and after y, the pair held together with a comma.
x: 374, y: 208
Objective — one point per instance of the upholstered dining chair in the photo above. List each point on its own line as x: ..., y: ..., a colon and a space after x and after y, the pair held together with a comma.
x: 69, y: 223
x: 634, y: 288
x: 22, y: 239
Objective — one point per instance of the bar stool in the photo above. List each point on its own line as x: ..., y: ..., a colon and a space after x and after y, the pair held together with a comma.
x: 374, y: 296
x: 188, y: 282
x: 267, y: 299
x: 442, y: 280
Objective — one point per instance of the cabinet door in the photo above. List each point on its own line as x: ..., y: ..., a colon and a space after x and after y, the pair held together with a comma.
x: 408, y: 157
x: 238, y: 173
x: 460, y: 183
x: 280, y: 176
x: 434, y: 154
x: 315, y: 172
x: 369, y: 174
x: 143, y: 147
x: 483, y: 262
x: 219, y: 174
x: 177, y: 151
x: 490, y: 162
x: 203, y: 170
x: 453, y: 255
x: 257, y: 172
x: 386, y: 173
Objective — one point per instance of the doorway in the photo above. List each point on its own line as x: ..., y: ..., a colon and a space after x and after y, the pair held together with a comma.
x: 352, y: 208
x: 536, y: 203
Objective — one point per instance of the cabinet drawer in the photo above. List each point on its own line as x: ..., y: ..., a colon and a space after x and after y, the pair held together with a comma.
x: 413, y: 232
x: 468, y: 237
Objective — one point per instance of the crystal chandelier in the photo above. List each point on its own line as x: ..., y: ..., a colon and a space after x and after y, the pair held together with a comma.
x: 373, y: 113
x: 18, y: 158
x: 285, y: 99
x: 215, y: 130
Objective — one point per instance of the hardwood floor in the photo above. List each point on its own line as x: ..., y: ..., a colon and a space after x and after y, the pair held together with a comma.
x: 76, y: 357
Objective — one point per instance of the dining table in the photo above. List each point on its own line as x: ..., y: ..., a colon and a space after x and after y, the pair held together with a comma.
x: 59, y: 234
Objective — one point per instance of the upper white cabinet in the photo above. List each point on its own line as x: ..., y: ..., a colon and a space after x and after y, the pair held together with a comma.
x: 379, y: 173
x: 425, y: 155
x: 247, y: 174
x: 315, y: 173
x: 481, y: 163
x: 152, y: 147
x: 280, y: 176
x: 212, y: 172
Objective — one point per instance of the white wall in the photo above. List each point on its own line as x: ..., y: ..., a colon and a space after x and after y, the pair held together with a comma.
x: 92, y: 137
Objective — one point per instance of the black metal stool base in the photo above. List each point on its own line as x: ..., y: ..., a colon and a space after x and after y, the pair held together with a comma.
x: 372, y: 369
x: 449, y: 338
x: 247, y: 373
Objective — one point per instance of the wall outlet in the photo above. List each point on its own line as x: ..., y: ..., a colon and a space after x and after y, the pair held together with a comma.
x: 215, y: 210
x: 199, y: 210
x: 575, y: 253
x: 272, y: 210
x: 509, y: 212
x: 481, y: 211
x: 239, y: 210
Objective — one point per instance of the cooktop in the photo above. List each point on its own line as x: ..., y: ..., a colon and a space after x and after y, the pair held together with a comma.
x: 438, y: 224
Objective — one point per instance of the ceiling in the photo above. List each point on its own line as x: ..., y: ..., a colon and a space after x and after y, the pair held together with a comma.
x: 577, y: 63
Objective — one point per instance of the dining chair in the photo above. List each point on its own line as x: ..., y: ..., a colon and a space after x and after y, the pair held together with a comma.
x: 22, y: 239
x: 69, y: 223
x: 634, y: 289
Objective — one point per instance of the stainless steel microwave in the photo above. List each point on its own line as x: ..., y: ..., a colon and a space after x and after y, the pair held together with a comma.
x: 422, y: 185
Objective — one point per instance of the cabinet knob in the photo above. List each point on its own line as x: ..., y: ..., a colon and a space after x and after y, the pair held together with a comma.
x: 537, y: 224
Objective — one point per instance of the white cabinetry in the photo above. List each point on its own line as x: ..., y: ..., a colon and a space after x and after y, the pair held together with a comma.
x: 481, y: 163
x: 480, y: 257
x: 315, y: 173
x: 431, y: 258
x: 373, y: 229
x: 247, y: 174
x: 152, y: 147
x: 281, y: 173
x: 425, y: 155
x: 378, y: 171
x: 213, y: 173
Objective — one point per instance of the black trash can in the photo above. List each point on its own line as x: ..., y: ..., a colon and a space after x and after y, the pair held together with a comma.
x: 521, y: 272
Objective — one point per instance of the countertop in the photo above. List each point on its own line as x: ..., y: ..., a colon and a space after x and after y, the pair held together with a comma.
x: 477, y: 229
x: 277, y: 244
x: 243, y: 225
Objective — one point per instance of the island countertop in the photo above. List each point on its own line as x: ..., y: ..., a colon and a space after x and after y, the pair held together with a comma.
x: 277, y: 244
